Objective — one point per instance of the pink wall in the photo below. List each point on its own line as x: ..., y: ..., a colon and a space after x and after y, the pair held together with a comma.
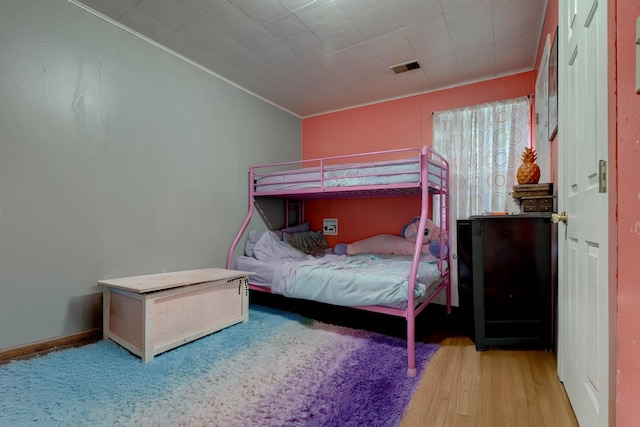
x: 612, y: 109
x: 400, y: 123
x: 628, y: 157
x: 549, y: 28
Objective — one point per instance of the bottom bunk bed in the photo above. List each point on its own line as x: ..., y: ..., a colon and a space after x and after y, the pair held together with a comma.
x: 359, y: 280
x: 387, y: 274
x: 368, y: 281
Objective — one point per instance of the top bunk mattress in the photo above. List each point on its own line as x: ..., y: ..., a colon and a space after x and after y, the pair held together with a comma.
x: 403, y: 173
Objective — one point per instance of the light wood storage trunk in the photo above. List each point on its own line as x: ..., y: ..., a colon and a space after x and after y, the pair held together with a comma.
x: 151, y: 314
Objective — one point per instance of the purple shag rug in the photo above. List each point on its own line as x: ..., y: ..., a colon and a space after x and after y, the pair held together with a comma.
x: 278, y: 369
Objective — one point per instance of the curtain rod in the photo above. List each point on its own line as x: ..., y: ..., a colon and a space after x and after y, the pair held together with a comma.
x: 530, y: 96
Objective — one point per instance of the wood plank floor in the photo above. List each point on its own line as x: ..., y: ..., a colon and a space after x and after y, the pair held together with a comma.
x: 493, y: 388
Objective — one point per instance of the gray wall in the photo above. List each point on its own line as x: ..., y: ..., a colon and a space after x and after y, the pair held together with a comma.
x: 116, y: 159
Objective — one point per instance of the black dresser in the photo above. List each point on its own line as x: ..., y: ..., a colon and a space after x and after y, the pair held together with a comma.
x: 508, y: 280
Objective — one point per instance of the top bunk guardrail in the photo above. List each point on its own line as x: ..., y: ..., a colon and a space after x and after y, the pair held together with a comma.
x: 374, y: 174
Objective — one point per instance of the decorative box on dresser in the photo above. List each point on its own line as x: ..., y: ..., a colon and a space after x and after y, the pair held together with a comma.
x: 508, y: 279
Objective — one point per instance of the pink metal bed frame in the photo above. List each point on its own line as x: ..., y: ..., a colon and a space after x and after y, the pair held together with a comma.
x: 425, y: 189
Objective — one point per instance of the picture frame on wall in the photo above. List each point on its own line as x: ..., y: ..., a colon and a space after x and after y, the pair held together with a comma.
x: 553, y: 88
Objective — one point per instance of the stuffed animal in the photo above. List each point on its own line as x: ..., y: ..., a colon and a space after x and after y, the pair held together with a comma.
x: 431, y: 231
x: 390, y: 244
x: 431, y: 235
x: 386, y: 244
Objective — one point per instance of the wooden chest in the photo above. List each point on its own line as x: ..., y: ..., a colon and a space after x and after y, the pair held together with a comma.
x: 154, y: 313
x: 530, y: 190
x: 534, y: 197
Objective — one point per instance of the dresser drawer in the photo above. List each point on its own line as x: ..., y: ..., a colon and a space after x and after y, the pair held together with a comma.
x: 537, y: 204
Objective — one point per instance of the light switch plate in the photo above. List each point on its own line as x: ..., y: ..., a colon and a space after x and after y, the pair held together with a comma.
x: 330, y: 226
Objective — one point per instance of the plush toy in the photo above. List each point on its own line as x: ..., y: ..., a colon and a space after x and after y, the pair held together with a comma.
x: 431, y: 231
x: 431, y: 235
x: 390, y: 244
x: 386, y: 244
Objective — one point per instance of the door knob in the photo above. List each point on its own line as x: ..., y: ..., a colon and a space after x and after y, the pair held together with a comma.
x: 563, y: 217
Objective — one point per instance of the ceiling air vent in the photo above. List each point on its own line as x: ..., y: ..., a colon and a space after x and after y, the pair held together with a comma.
x: 401, y: 68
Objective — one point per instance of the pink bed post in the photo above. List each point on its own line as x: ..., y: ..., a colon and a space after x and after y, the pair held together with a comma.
x: 411, y: 318
x: 245, y: 223
x: 443, y: 192
x: 311, y: 183
x: 444, y: 208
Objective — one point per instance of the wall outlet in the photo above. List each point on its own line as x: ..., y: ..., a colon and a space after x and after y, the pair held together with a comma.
x: 330, y: 226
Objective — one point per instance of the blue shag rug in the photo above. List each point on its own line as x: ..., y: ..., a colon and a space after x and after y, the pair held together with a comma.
x: 278, y: 369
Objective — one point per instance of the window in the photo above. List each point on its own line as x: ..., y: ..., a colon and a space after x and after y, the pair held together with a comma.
x: 483, y: 144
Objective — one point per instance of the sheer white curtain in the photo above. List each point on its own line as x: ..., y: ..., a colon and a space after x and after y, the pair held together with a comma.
x: 483, y: 144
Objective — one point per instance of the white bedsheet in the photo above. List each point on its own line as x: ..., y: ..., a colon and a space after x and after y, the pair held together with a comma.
x: 365, y: 279
x: 392, y: 172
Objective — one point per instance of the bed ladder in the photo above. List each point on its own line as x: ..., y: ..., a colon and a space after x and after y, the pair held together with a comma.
x: 294, y: 209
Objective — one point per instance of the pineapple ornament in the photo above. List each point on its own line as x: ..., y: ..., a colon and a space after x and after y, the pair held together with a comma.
x: 529, y: 171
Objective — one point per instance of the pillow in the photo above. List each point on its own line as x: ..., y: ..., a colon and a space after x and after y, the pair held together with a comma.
x: 253, y: 237
x: 293, y: 229
x: 297, y: 228
x: 309, y: 242
x: 271, y: 249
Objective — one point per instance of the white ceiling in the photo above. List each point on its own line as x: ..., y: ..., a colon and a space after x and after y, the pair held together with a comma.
x: 315, y: 56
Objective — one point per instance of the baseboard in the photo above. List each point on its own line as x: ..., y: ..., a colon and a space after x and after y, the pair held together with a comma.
x: 47, y: 346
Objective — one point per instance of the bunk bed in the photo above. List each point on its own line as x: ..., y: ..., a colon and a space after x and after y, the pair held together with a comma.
x: 415, y: 280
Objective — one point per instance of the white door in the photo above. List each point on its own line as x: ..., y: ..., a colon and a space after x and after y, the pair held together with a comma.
x: 583, y: 354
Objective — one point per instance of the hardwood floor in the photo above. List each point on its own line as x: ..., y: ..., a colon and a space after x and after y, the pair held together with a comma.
x: 461, y: 386
x: 511, y: 388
